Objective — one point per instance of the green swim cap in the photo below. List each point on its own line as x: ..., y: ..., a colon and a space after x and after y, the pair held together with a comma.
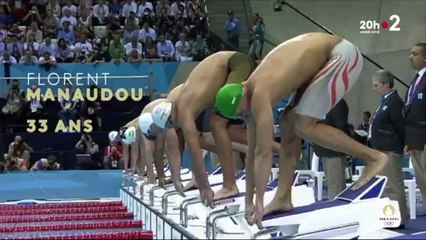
x: 228, y: 99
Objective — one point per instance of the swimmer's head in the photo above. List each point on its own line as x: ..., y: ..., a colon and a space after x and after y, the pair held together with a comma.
x: 164, y: 115
x: 112, y: 136
x: 147, y: 125
x: 228, y: 100
x: 129, y: 136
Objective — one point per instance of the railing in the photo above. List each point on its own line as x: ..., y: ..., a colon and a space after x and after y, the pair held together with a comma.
x: 162, y: 227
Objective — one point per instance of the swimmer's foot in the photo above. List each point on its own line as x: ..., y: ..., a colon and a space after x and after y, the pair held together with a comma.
x: 278, y: 205
x: 225, y: 192
x: 190, y: 186
x: 371, y: 170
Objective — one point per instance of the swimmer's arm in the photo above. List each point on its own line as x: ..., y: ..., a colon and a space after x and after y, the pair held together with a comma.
x: 191, y: 136
x: 251, y: 144
x: 262, y: 116
x: 173, y: 154
x: 158, y: 156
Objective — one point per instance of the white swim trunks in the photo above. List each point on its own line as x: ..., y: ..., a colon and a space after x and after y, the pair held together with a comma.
x: 332, y: 82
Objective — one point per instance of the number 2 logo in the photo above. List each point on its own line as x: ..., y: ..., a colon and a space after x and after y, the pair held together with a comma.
x: 394, y: 27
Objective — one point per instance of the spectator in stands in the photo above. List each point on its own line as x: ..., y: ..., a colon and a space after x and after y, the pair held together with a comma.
x: 15, y: 47
x: 147, y: 31
x: 47, y: 60
x: 35, y: 106
x: 134, y: 56
x: 31, y: 45
x: 113, y: 156
x: 28, y: 59
x: 116, y: 47
x: 130, y: 31
x: 19, y: 11
x: 100, y: 13
x: 148, y: 17
x: 199, y: 49
x: 68, y: 107
x: 163, y: 7
x: 257, y: 38
x: 46, y: 164
x: 32, y: 16
x: 85, y: 20
x: 69, y: 7
x: 165, y: 48
x: 365, y: 125
x: 7, y: 58
x: 15, y: 85
x: 50, y: 25
x: 54, y: 8
x: 67, y: 34
x: 117, y: 56
x: 164, y: 18
x: 85, y: 46
x: 18, y: 149
x: 142, y: 6
x: 3, y: 33
x: 5, y: 18
x: 129, y: 7
x: 84, y: 5
x: 48, y: 46
x: 183, y: 49
x: 64, y: 53
x: 115, y: 7
x: 177, y: 8
x: 67, y: 17
x: 134, y: 44
x: 15, y: 31
x: 100, y: 54
x: 113, y: 25
x: 34, y: 30
x: 132, y: 19
x: 232, y: 29
x: 152, y: 55
x: 79, y: 56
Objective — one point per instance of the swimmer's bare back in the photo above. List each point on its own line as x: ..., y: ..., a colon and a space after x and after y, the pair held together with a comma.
x: 205, y: 80
x: 291, y: 65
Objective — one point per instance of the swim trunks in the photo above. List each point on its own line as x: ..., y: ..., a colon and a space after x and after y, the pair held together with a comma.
x: 331, y: 83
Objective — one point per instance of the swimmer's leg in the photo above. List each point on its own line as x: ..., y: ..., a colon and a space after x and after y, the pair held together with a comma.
x: 329, y: 137
x: 223, y: 145
x: 289, y: 155
x: 239, y: 134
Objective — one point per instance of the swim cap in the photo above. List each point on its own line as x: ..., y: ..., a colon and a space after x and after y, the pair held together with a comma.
x: 112, y: 135
x: 161, y: 113
x: 130, y: 135
x: 228, y: 99
x: 145, y: 121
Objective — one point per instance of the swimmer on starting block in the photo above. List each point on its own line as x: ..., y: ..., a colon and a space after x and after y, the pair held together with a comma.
x: 197, y: 98
x: 174, y: 148
x: 317, y: 70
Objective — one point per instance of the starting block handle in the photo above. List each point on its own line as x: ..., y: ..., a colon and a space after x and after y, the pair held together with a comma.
x: 151, y: 194
x: 278, y: 229
x: 216, y: 215
x: 141, y: 188
x: 184, y: 209
x: 228, y: 214
x: 165, y: 200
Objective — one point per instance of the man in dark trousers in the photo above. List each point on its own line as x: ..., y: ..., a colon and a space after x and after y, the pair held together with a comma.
x: 387, y: 134
x: 415, y: 117
x: 334, y: 163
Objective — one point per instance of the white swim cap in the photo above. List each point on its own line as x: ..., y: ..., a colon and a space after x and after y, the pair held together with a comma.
x: 112, y: 135
x: 161, y: 113
x: 145, y: 121
x: 130, y: 135
x: 125, y: 141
